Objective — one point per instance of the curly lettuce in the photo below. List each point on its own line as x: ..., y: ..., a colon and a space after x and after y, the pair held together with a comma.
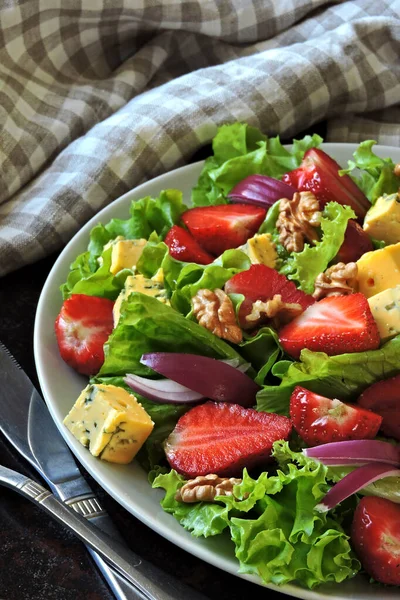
x: 90, y: 272
x: 344, y: 376
x: 376, y: 174
x: 304, y: 267
x: 240, y: 150
x: 277, y: 533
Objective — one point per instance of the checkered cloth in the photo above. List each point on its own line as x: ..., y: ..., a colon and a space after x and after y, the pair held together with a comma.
x: 97, y: 96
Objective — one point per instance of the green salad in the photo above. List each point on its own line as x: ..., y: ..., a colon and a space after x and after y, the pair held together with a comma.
x: 283, y: 268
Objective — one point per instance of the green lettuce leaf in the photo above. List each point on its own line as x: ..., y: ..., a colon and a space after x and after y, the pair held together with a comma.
x: 269, y: 226
x: 202, y: 518
x: 262, y: 351
x: 377, y: 176
x: 241, y: 150
x: 344, y: 376
x: 90, y: 276
x: 290, y: 541
x: 276, y: 531
x: 147, y: 325
x: 303, y: 267
x: 183, y: 280
x: 101, y: 282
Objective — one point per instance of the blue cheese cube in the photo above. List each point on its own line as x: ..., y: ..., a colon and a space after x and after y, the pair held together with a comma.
x: 385, y: 308
x: 110, y: 422
x: 138, y: 283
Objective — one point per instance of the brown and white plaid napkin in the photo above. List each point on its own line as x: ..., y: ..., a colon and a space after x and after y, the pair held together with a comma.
x: 97, y: 96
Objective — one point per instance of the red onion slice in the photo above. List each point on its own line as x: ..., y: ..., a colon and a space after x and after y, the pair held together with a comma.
x: 354, y: 482
x: 355, y: 452
x: 162, y: 390
x: 260, y: 190
x: 209, y: 377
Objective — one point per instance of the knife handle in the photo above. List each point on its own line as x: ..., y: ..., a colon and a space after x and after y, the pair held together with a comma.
x: 153, y: 584
x: 120, y: 587
x: 90, y: 508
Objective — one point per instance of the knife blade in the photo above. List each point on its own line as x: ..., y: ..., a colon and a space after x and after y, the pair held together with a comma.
x: 26, y: 423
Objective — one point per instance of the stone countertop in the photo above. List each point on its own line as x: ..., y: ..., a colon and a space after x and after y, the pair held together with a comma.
x: 39, y: 559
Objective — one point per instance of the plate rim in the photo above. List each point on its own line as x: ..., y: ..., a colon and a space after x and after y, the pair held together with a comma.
x: 198, y: 550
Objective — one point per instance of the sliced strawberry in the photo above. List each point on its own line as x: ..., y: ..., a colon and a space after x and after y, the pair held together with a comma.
x: 223, y: 438
x: 218, y: 228
x: 383, y: 398
x: 82, y: 327
x: 319, y: 420
x: 356, y: 243
x: 183, y: 246
x: 375, y: 534
x: 319, y: 173
x: 334, y: 325
x: 262, y: 283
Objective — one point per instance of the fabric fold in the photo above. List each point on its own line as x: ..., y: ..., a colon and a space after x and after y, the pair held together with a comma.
x: 96, y: 99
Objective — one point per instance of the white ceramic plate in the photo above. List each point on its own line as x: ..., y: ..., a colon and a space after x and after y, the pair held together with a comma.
x: 128, y: 484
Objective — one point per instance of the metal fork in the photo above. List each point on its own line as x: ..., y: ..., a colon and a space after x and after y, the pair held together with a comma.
x: 121, y: 558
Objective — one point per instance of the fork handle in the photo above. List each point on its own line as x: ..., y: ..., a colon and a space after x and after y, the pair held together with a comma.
x: 155, y: 586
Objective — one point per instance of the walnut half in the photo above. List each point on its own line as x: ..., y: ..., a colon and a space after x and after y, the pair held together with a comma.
x: 278, y: 311
x: 214, y: 311
x: 205, y: 488
x: 297, y: 221
x: 338, y: 280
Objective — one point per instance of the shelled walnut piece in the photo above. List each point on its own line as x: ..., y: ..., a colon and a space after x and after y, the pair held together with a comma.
x: 214, y: 311
x: 278, y: 311
x: 297, y: 221
x: 205, y: 488
x: 338, y: 280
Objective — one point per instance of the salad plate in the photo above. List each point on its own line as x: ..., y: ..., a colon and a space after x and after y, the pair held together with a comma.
x: 128, y: 484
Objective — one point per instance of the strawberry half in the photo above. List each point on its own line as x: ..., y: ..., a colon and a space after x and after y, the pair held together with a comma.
x: 262, y: 283
x: 383, y: 398
x: 183, y: 246
x: 375, y: 534
x: 335, y: 325
x: 319, y: 420
x: 82, y: 327
x: 319, y: 173
x: 218, y: 228
x: 223, y: 438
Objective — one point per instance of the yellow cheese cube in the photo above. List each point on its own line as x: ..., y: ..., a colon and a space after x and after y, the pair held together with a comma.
x: 382, y: 221
x: 379, y: 270
x: 110, y: 422
x: 125, y: 254
x: 385, y: 308
x: 139, y: 283
x: 261, y: 250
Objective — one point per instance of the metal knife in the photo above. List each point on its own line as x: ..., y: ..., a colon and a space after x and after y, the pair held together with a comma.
x: 27, y: 424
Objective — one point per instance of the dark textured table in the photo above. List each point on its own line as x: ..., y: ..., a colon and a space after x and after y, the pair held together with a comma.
x: 39, y: 559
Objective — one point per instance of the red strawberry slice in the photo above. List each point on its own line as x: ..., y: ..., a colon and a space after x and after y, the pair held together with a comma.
x: 218, y: 228
x: 223, y: 438
x: 262, y: 283
x: 82, y: 327
x: 383, y: 398
x: 375, y: 534
x: 334, y: 325
x: 319, y: 173
x: 183, y: 246
x: 319, y: 420
x: 356, y: 243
